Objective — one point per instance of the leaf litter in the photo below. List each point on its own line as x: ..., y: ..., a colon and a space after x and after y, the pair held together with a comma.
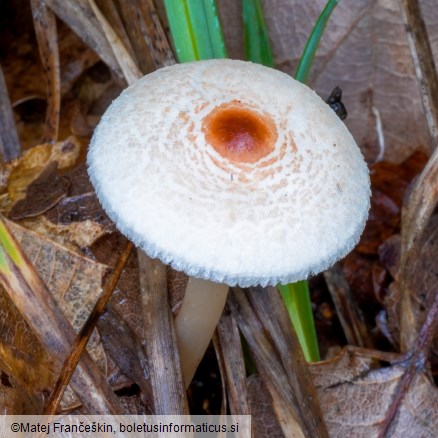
x: 74, y: 224
x: 75, y: 282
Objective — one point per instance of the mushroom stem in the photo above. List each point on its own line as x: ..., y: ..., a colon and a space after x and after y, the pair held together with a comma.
x: 196, y: 321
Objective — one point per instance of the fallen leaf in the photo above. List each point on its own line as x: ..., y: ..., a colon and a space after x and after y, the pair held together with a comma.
x: 75, y: 282
x: 126, y: 297
x: 73, y: 215
x: 263, y: 419
x: 42, y: 194
x: 357, y: 387
x: 15, y: 399
x: 34, y: 161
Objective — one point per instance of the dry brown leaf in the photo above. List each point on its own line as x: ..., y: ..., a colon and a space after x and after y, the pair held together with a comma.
x: 356, y: 389
x: 42, y: 194
x: 17, y: 399
x: 34, y: 161
x: 263, y: 420
x: 74, y: 218
x: 21, y: 354
x: 75, y: 282
x: 365, y: 51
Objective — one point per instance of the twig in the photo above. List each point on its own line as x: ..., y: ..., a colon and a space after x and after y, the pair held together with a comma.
x: 47, y: 37
x: 422, y: 57
x: 78, y: 347
x: 417, y: 362
x: 9, y: 143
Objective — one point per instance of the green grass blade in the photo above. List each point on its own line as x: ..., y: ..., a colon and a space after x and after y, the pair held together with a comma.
x: 9, y: 248
x: 195, y: 29
x: 215, y: 30
x: 181, y: 29
x: 308, y: 55
x: 296, y: 297
x: 257, y: 45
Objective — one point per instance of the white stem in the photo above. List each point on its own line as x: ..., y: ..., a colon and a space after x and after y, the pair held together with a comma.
x: 196, y: 321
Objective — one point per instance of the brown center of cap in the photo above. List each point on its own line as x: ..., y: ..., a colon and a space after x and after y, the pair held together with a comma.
x: 238, y: 133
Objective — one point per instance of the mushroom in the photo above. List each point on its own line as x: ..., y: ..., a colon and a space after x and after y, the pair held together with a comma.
x: 234, y: 173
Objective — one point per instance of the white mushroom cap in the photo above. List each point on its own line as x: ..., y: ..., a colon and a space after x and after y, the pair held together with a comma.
x: 230, y: 171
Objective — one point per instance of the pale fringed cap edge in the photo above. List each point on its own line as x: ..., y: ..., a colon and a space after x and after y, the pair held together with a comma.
x: 250, y: 278
x: 220, y: 277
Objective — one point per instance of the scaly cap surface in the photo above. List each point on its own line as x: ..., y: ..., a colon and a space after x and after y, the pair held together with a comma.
x: 230, y: 171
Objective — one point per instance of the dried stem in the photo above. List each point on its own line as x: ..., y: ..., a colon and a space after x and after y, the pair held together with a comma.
x: 263, y: 320
x: 126, y: 63
x: 234, y: 366
x: 80, y: 343
x: 47, y: 37
x: 160, y: 340
x: 147, y: 36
